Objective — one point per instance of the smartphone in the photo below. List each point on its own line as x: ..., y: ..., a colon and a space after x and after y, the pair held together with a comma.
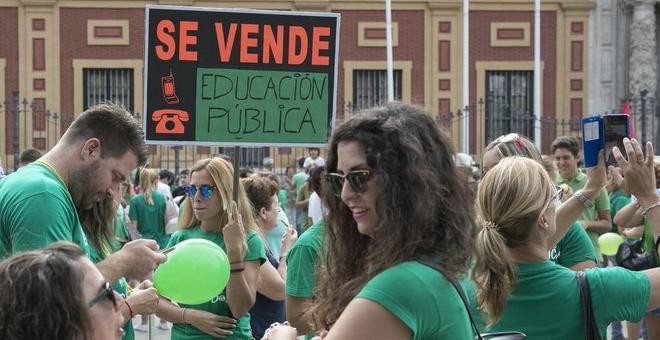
x: 592, y: 139
x: 616, y: 127
x: 169, y: 91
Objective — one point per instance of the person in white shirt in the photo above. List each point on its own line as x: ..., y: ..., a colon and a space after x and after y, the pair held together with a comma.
x: 166, y: 179
x: 315, y: 209
x: 314, y: 159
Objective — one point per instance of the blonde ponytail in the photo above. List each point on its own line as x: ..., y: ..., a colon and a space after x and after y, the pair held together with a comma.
x: 495, y: 274
x: 148, y: 179
x: 511, y: 198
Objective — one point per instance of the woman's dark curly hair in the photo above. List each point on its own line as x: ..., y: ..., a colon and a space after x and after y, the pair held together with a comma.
x: 422, y: 208
x: 42, y: 295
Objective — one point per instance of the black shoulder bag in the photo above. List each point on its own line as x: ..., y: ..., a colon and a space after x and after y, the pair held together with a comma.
x: 632, y: 256
x: 591, y: 331
x: 479, y: 336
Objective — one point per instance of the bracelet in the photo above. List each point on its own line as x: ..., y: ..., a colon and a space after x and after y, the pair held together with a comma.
x: 237, y: 270
x: 183, y: 315
x: 646, y: 210
x: 130, y: 310
x: 586, y: 201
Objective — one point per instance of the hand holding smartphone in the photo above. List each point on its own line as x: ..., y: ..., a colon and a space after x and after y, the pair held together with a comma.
x: 605, y: 133
x: 616, y: 128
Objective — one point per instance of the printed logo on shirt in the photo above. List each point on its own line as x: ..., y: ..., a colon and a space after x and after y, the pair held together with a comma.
x: 219, y: 298
x: 554, y: 254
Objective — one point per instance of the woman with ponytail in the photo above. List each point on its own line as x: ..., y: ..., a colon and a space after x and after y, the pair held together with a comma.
x: 570, y: 246
x: 517, y: 287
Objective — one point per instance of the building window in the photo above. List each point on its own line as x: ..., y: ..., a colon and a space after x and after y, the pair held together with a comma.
x: 509, y: 103
x: 370, y: 88
x: 251, y: 157
x: 108, y: 85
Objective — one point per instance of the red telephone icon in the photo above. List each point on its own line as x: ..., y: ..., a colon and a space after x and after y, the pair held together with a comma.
x: 170, y: 121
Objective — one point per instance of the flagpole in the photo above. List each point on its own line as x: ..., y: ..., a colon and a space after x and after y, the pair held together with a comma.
x: 537, y: 74
x: 466, y: 76
x: 388, y: 47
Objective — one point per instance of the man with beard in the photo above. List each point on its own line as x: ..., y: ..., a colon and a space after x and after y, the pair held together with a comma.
x: 39, y: 203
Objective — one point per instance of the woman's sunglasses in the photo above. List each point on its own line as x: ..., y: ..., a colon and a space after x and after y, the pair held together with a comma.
x: 205, y: 190
x: 357, y: 179
x: 559, y: 195
x: 106, y: 292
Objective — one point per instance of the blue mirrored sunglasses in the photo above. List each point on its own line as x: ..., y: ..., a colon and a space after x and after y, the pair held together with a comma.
x: 205, y: 190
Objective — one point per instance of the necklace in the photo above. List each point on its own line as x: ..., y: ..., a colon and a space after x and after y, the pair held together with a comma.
x: 50, y: 167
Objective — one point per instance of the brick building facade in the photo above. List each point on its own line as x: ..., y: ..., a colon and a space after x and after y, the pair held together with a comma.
x: 55, y: 52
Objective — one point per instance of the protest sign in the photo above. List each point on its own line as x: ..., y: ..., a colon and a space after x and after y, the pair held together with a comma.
x: 239, y: 77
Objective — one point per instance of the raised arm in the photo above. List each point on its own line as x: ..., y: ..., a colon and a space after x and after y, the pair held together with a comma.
x: 572, y: 208
x: 639, y: 180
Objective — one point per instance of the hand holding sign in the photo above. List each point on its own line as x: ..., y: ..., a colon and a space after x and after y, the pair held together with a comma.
x: 234, y: 235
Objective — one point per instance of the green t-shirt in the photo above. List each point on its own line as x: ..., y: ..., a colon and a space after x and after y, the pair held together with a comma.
x: 281, y: 197
x: 618, y: 200
x: 601, y: 203
x: 121, y: 286
x: 302, y: 217
x: 121, y: 233
x: 217, y: 305
x: 422, y: 299
x: 302, y: 261
x: 574, y: 248
x: 36, y: 210
x: 546, y: 301
x: 299, y: 179
x: 150, y: 217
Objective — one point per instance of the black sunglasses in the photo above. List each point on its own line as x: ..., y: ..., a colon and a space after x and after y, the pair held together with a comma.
x: 106, y: 292
x: 357, y: 179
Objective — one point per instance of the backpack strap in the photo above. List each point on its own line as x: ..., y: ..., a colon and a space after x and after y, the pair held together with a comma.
x: 591, y: 331
x: 458, y: 288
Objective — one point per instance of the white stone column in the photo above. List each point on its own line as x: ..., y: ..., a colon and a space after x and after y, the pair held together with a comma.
x: 643, y: 61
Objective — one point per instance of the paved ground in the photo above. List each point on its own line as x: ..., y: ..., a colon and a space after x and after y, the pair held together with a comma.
x: 158, y: 334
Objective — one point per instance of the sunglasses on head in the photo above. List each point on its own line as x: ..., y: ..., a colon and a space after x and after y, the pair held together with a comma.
x: 106, y: 292
x: 205, y: 190
x: 559, y: 195
x: 357, y: 179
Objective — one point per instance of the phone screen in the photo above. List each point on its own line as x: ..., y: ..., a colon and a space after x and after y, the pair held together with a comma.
x: 615, y: 129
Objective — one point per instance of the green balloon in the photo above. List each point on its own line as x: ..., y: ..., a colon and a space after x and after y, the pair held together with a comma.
x: 609, y: 243
x: 195, y: 272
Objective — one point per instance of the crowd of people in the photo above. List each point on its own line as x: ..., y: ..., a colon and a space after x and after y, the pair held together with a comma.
x: 391, y: 235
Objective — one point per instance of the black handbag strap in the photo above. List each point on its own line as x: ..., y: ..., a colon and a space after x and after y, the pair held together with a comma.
x: 458, y: 288
x: 591, y: 330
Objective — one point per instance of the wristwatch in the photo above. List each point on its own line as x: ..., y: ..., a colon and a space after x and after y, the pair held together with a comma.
x: 586, y: 201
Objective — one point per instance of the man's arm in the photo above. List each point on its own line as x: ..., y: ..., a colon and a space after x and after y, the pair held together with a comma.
x: 629, y: 216
x: 601, y: 225
x: 136, y: 260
